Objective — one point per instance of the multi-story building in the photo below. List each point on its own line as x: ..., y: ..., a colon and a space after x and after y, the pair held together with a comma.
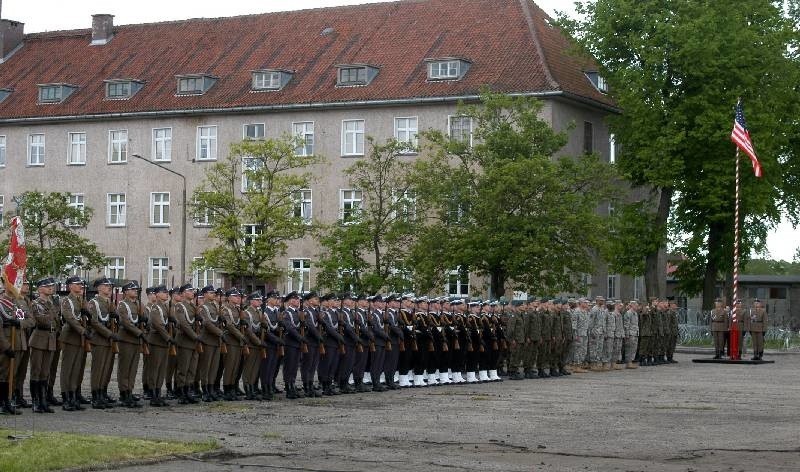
x: 76, y: 106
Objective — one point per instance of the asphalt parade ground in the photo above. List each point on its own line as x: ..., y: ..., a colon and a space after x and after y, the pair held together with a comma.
x: 680, y: 417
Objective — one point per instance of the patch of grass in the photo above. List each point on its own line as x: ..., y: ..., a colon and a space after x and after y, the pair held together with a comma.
x: 272, y: 435
x: 686, y: 407
x: 227, y: 408
x: 54, y: 451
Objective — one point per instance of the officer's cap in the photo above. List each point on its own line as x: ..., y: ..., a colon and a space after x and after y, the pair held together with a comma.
x: 376, y: 298
x: 46, y: 282
x: 220, y: 292
x: 185, y: 287
x: 633, y: 300
x: 474, y: 303
x: 207, y: 289
x: 161, y: 289
x: 407, y: 296
x: 291, y: 296
x: 422, y: 299
x: 233, y: 292
x: 346, y: 296
x: 272, y: 294
x: 391, y: 298
x: 310, y: 295
x: 756, y: 300
x: 517, y: 302
x: 361, y: 296
x: 327, y: 297
x: 150, y: 290
x: 132, y: 285
x: 75, y: 280
x: 456, y: 301
x: 254, y: 296
x: 102, y: 281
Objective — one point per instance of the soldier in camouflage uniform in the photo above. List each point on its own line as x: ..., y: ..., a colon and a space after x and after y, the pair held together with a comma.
x: 608, y: 341
x: 567, y: 338
x: 661, y: 332
x: 515, y: 331
x: 533, y: 338
x: 619, y: 335
x: 630, y: 323
x: 597, y: 332
x: 581, y: 336
x: 645, y: 335
x: 543, y: 355
x: 557, y: 335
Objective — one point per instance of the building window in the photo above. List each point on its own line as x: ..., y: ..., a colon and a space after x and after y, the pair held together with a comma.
x: 352, y: 76
x: 588, y: 137
x: 195, y: 84
x: 299, y: 275
x: 2, y: 208
x: 441, y: 70
x: 305, y: 132
x: 118, y: 90
x: 757, y: 292
x: 250, y: 167
x: 353, y: 138
x: 778, y: 293
x: 116, y: 209
x: 36, y: 150
x: 2, y: 151
x: 613, y: 287
x: 204, y: 277
x: 254, y: 131
x: 458, y: 282
x: 638, y: 287
x: 118, y: 146
x: 206, y: 143
x: 159, y: 209
x: 115, y: 268
x: 77, y: 149
x: 50, y: 93
x: 612, y: 149
x: 251, y: 232
x: 349, y: 205
x: 267, y: 80
x: 405, y: 205
x: 601, y: 84
x: 302, y: 206
x: 159, y: 266
x: 75, y: 201
x: 461, y: 129
x: 586, y: 281
x: 405, y: 131
x: 76, y: 268
x: 202, y: 217
x: 162, y: 144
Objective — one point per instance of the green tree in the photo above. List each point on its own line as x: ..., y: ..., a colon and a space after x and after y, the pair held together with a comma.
x: 676, y: 69
x: 504, y: 207
x: 367, y: 249
x: 251, y: 202
x: 52, y: 237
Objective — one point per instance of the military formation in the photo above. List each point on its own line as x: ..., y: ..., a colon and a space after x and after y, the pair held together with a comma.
x: 209, y: 345
x: 753, y: 320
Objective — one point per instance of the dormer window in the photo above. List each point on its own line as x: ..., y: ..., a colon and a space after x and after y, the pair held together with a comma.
x: 269, y: 79
x: 121, y: 89
x: 4, y: 93
x: 447, y: 68
x: 195, y: 84
x: 355, y: 74
x: 598, y: 81
x: 55, y: 93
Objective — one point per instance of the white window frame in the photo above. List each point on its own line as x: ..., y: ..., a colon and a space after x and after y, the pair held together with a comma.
x: 2, y: 209
x: 638, y: 287
x: 3, y: 140
x: 203, y: 221
x: 121, y: 210
x: 164, y: 143
x: 160, y: 264
x: 77, y: 201
x: 407, y: 133
x: 255, y: 125
x: 183, y: 83
x: 612, y: 148
x: 348, y: 71
x: 251, y: 233
x: 409, y: 200
x: 115, y: 267
x: 450, y: 119
x: 250, y: 164
x: 76, y: 156
x: 452, y: 70
x: 203, y: 277
x: 602, y: 85
x: 159, y: 210
x: 38, y: 145
x: 458, y: 273
x: 267, y: 80
x: 612, y: 289
x: 300, y: 129
x: 353, y: 210
x: 304, y: 203
x: 209, y: 142
x: 357, y: 136
x: 125, y: 85
x: 118, y: 145
x: 299, y: 271
x: 74, y: 269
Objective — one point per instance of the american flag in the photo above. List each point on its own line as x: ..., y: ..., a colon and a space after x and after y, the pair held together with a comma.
x: 741, y: 137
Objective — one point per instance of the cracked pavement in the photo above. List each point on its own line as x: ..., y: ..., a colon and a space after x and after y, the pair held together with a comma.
x: 682, y: 417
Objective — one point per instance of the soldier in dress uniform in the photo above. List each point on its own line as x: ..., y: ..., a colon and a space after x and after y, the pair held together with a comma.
x: 73, y: 334
x: 515, y: 331
x: 367, y: 340
x: 329, y: 361
x: 273, y: 335
x: 24, y: 333
x: 12, y: 346
x: 210, y: 334
x: 234, y: 342
x: 309, y: 361
x: 172, y: 361
x: 130, y: 341
x: 396, y: 337
x: 251, y: 326
x: 630, y: 323
x: 101, y: 312
x: 186, y: 341
x: 352, y: 342
x: 758, y: 325
x: 475, y: 341
x: 43, y: 344
x: 159, y: 340
x: 719, y: 326
x: 294, y: 341
x: 376, y: 321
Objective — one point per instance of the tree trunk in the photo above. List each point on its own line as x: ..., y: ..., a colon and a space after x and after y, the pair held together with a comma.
x: 715, y: 233
x: 655, y: 265
x: 497, y: 283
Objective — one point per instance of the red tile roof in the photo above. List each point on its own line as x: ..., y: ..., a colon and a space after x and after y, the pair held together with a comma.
x: 510, y: 43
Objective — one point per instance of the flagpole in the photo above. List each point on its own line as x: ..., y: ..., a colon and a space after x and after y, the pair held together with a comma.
x: 734, y: 332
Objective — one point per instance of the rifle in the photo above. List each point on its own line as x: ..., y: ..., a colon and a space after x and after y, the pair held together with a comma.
x: 198, y: 348
x: 242, y: 328
x: 87, y: 346
x: 263, y: 339
x: 321, y: 347
x: 371, y: 341
x: 115, y: 322
x: 222, y: 325
x: 455, y: 324
x: 388, y: 345
x: 281, y: 351
x: 342, y: 349
x: 301, y: 315
x: 357, y: 327
x: 173, y: 351
x: 143, y: 347
x: 413, y: 333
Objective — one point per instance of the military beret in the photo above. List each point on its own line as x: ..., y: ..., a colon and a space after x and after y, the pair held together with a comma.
x: 310, y: 295
x: 150, y: 290
x: 254, y: 296
x: 233, y: 292
x: 185, y: 287
x: 46, y: 282
x: 206, y: 289
x: 75, y: 280
x: 102, y: 281
x: 161, y: 288
x: 132, y: 285
x: 290, y: 296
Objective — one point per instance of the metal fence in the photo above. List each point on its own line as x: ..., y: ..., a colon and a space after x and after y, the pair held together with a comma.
x: 694, y: 329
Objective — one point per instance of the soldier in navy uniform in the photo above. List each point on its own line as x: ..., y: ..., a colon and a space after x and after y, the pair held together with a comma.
x: 329, y: 361
x: 352, y: 343
x: 309, y: 361
x: 406, y: 321
x: 367, y: 339
x: 395, y: 338
x: 272, y: 324
x: 381, y: 338
x: 293, y: 341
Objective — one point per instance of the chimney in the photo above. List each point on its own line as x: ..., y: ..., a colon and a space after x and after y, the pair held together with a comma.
x: 102, y: 28
x: 10, y: 37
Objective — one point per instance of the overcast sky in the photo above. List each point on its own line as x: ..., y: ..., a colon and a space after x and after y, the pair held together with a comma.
x: 50, y: 15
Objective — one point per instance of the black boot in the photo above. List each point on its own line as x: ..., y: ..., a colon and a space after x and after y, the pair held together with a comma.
x: 43, y: 394
x: 81, y: 400
x: 171, y: 395
x: 147, y: 393
x: 7, y: 407
x: 97, y: 400
x: 207, y: 394
x: 35, y: 404
x: 180, y: 392
x: 555, y: 372
x: 66, y: 401
x: 76, y: 402
x: 290, y: 393
x: 52, y: 400
x: 268, y: 393
x: 189, y: 397
x: 19, y: 400
x: 543, y: 374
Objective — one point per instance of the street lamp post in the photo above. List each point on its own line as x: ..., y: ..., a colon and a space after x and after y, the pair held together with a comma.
x: 183, y: 212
